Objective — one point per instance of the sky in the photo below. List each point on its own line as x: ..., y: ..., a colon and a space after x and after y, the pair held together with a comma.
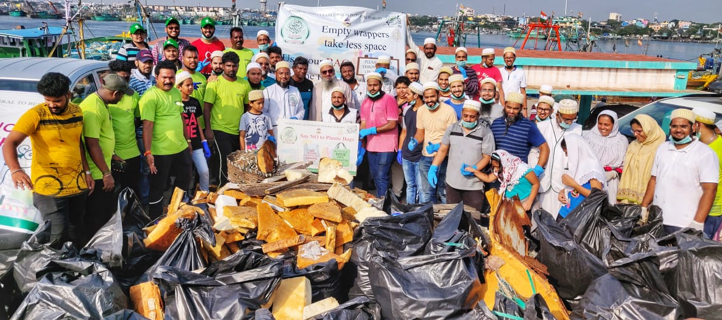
x: 706, y: 11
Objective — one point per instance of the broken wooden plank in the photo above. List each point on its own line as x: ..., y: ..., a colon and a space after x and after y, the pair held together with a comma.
x: 175, y: 200
x: 285, y: 185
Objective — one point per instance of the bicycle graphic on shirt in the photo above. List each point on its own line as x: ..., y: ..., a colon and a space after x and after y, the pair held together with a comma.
x: 55, y: 184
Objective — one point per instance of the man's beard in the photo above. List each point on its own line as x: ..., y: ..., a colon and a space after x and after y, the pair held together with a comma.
x: 329, y: 83
x: 510, y: 120
x: 351, y: 80
x: 218, y: 72
x: 283, y: 84
x: 430, y: 55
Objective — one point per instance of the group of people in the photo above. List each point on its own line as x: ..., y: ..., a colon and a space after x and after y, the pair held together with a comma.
x: 437, y: 133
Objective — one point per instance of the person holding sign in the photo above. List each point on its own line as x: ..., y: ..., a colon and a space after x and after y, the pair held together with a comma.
x: 379, y: 115
x: 282, y: 100
x: 321, y: 96
x: 340, y: 112
x: 429, y: 62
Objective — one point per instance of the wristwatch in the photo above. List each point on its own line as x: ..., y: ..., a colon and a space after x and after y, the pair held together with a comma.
x: 88, y: 172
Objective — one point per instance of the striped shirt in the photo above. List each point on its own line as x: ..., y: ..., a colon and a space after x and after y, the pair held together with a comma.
x: 139, y: 83
x: 129, y: 51
x: 520, y: 137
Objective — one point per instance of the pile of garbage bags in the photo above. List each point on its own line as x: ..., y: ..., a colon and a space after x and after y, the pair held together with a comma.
x: 605, y: 264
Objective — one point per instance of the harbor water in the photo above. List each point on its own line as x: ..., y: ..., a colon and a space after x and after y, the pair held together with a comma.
x: 672, y: 50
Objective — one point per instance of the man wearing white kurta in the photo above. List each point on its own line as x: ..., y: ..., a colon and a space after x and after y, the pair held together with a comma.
x: 428, y: 61
x: 282, y: 100
x: 321, y: 97
x: 553, y: 131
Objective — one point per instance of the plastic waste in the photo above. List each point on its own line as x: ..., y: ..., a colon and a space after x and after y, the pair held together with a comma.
x: 359, y: 308
x: 325, y: 279
x: 699, y: 276
x: 18, y: 217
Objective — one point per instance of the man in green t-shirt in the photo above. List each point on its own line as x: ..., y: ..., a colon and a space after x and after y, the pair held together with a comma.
x: 125, y: 116
x: 705, y: 128
x: 167, y: 147
x: 225, y: 101
x: 244, y: 54
x: 99, y: 145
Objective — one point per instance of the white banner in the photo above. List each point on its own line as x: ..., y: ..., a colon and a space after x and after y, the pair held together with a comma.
x: 300, y: 140
x: 340, y: 34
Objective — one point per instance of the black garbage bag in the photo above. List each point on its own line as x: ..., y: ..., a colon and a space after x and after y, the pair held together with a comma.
x: 537, y: 309
x: 571, y: 267
x: 263, y: 314
x: 399, y: 236
x: 359, y: 308
x: 108, y: 240
x: 34, y: 255
x: 125, y: 315
x: 227, y: 289
x: 699, y: 276
x: 506, y: 306
x: 437, y: 286
x: 457, y: 232
x: 587, y: 223
x: 73, y: 288
x: 185, y: 252
x: 393, y: 206
x: 325, y: 279
x: 654, y: 226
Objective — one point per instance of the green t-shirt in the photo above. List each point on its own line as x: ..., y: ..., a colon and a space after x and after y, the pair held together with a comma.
x: 199, y: 91
x: 716, y: 210
x: 245, y: 55
x: 228, y: 99
x: 124, y: 114
x: 98, y: 124
x: 165, y: 109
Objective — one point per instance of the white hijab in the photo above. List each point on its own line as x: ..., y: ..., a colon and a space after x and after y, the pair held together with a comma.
x: 610, y: 149
x: 582, y: 163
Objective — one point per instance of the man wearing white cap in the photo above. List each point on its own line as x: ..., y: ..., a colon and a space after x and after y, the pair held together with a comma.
x: 410, y: 157
x: 685, y: 175
x: 254, y: 76
x: 514, y: 77
x: 471, y: 80
x: 487, y: 70
x: 340, y: 112
x: 245, y: 55
x: 554, y: 131
x: 518, y: 135
x: 281, y: 100
x: 379, y: 117
x: 410, y: 56
x: 544, y: 91
x: 428, y: 61
x: 443, y: 81
x: 705, y: 127
x: 490, y: 109
x: 431, y: 122
x: 412, y: 72
x: 321, y: 96
x: 383, y: 67
x: 467, y: 144
x: 264, y: 40
x: 456, y: 94
x: 216, y: 66
x: 265, y: 62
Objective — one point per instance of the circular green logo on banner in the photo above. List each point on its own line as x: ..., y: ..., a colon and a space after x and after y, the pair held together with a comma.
x: 288, y: 135
x: 295, y: 30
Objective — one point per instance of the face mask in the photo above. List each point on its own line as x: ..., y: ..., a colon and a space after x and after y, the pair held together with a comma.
x: 461, y: 64
x: 337, y: 108
x: 462, y: 96
x: 686, y: 140
x: 565, y: 125
x: 445, y: 90
x: 204, y: 37
x: 698, y: 134
x: 468, y: 125
x: 263, y: 47
x: 373, y: 95
x: 412, y: 103
x: 485, y: 66
x: 541, y: 120
x: 490, y: 101
x: 434, y: 107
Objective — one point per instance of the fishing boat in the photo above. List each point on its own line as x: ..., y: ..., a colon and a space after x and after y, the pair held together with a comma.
x: 17, y: 13
x: 106, y: 17
x: 45, y: 15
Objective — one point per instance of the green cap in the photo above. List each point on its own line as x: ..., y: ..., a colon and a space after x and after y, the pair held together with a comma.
x: 171, y: 20
x: 207, y: 21
x: 170, y: 42
x: 136, y: 27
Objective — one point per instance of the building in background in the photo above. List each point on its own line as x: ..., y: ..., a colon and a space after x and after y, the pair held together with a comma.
x: 615, y: 16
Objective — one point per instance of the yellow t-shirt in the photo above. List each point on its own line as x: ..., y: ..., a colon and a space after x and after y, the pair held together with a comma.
x: 434, y: 124
x: 228, y: 99
x: 716, y: 210
x: 57, y: 166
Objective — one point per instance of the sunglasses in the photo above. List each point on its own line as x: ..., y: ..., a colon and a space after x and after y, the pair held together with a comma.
x: 328, y: 72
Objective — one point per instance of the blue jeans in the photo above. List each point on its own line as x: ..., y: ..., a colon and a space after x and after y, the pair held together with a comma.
x: 380, y: 165
x: 429, y: 194
x: 413, y: 178
x: 711, y: 224
x: 199, y: 160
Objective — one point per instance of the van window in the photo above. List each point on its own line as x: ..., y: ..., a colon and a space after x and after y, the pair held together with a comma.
x: 83, y: 88
x: 19, y: 85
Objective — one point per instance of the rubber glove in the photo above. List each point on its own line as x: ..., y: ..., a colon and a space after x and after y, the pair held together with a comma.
x: 464, y: 172
x: 272, y: 139
x: 206, y: 149
x: 368, y: 131
x: 463, y: 72
x: 202, y: 64
x: 644, y: 216
x: 361, y: 152
x: 294, y: 118
x: 413, y: 143
x: 696, y: 225
x: 538, y: 170
x: 382, y: 71
x: 432, y: 147
x: 432, y: 176
x: 399, y: 159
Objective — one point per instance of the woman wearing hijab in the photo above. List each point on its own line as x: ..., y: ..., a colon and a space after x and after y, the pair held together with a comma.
x: 610, y: 146
x: 583, y: 173
x: 516, y: 177
x: 639, y: 159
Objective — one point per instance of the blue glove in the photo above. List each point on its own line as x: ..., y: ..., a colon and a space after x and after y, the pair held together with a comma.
x: 538, y: 170
x: 413, y: 143
x: 382, y: 71
x: 361, y: 152
x: 294, y: 118
x: 368, y: 131
x: 206, y: 149
x: 466, y: 173
x: 272, y: 139
x: 433, y: 179
x: 463, y: 72
x: 398, y: 158
x: 202, y: 64
x: 432, y: 147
